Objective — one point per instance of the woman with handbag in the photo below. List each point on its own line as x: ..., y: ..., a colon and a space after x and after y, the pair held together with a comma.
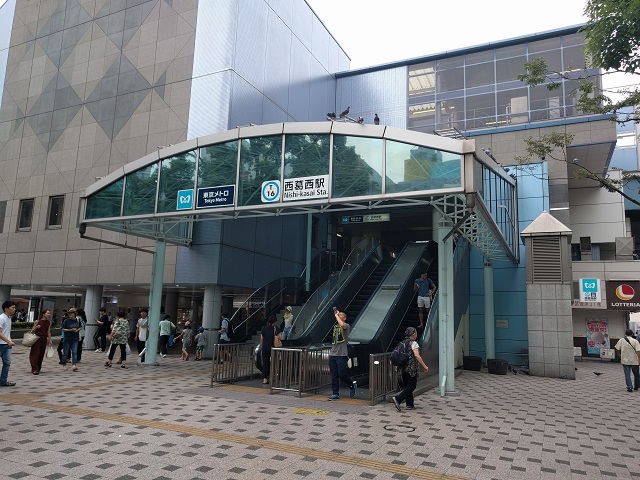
x: 268, y: 339
x: 42, y: 328
x: 119, y: 336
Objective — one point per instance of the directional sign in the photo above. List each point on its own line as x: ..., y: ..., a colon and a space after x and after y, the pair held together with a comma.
x: 270, y: 191
x: 306, y: 188
x: 185, y: 199
x: 212, y: 197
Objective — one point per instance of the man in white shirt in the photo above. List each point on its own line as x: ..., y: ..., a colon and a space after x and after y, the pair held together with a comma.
x: 629, y: 349
x: 141, y: 331
x: 9, y: 309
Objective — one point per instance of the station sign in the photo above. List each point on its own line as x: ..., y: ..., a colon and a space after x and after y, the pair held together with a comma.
x: 270, y: 191
x: 377, y: 217
x: 623, y: 295
x: 305, y: 188
x: 590, y: 290
x: 212, y: 197
x: 184, y: 200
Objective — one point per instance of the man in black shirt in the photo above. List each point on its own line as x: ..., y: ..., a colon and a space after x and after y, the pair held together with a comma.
x: 104, y: 328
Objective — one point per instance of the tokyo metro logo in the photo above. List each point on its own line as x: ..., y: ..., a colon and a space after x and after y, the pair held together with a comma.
x: 625, y: 292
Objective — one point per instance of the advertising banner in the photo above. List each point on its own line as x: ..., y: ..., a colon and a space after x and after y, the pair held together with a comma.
x: 597, y: 336
x: 623, y: 294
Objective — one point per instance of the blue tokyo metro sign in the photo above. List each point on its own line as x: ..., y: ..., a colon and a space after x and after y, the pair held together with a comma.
x: 185, y: 199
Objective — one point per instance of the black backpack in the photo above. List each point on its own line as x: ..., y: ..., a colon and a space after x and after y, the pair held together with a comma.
x: 230, y: 330
x: 401, y: 354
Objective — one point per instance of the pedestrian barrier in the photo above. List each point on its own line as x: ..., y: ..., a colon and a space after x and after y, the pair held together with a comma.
x: 299, y: 369
x: 383, y: 377
x: 232, y: 362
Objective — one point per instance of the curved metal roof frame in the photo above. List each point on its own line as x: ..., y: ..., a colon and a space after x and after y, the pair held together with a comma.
x: 176, y: 226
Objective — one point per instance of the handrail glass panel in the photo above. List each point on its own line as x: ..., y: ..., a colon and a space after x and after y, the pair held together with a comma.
x: 178, y: 173
x: 306, y: 155
x: 140, y: 191
x: 260, y: 161
x: 218, y: 165
x: 106, y: 203
x: 410, y: 168
x: 357, y: 166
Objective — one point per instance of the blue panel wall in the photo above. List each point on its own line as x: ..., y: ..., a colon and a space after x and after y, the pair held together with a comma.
x: 251, y: 42
x: 210, y: 104
x: 276, y: 75
x: 6, y: 24
x: 509, y: 280
x: 215, y: 36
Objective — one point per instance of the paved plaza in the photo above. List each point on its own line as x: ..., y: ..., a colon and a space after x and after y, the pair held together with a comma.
x: 165, y: 422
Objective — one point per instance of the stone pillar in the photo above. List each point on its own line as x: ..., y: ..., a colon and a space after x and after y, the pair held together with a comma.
x: 92, y: 304
x: 549, y: 316
x: 155, y: 303
x: 211, y: 309
x: 5, y: 293
x: 442, y: 227
x: 489, y: 317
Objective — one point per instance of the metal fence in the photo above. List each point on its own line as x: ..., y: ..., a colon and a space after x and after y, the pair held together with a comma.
x: 233, y: 361
x: 299, y: 369
x: 383, y: 377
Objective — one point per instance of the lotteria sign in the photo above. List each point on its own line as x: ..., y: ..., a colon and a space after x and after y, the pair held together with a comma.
x: 623, y: 294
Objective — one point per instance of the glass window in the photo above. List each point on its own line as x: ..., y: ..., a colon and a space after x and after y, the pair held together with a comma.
x: 54, y: 215
x: 573, y: 58
x: 450, y: 80
x: 105, y: 203
x: 450, y: 113
x: 306, y: 155
x: 260, y: 160
x: 357, y: 166
x: 544, y: 45
x: 573, y: 39
x: 140, y: 191
x: 218, y: 165
x: 511, y: 51
x: 552, y: 57
x: 422, y: 115
x: 479, y: 57
x: 3, y: 213
x: 480, y: 74
x: 513, y: 106
x: 508, y: 70
x: 178, y: 173
x: 412, y: 168
x: 422, y: 79
x: 546, y: 104
x: 481, y: 111
x: 25, y: 214
x: 451, y: 62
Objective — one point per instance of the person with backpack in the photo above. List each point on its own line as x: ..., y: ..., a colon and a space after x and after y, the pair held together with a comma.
x: 412, y: 360
x: 225, y: 334
x: 629, y: 349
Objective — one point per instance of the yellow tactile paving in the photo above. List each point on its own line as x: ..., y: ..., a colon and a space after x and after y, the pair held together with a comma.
x: 32, y: 400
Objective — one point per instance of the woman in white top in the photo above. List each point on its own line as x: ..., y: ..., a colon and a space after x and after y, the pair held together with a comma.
x: 410, y: 371
x: 288, y: 323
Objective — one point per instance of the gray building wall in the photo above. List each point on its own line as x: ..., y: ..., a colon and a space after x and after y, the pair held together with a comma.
x: 6, y: 21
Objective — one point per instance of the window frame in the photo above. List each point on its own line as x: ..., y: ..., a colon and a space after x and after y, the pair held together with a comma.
x: 23, y: 202
x: 49, y: 225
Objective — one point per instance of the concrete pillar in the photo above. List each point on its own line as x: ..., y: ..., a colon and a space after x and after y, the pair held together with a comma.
x: 92, y: 304
x: 195, y: 310
x: 489, y: 317
x: 211, y: 309
x: 5, y: 293
x: 155, y: 303
x: 171, y: 305
x: 442, y: 227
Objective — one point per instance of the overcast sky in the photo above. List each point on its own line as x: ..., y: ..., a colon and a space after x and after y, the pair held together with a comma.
x: 373, y: 32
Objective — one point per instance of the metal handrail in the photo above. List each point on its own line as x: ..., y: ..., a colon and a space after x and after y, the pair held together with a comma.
x: 383, y: 377
x: 299, y: 369
x: 232, y: 362
x: 325, y: 291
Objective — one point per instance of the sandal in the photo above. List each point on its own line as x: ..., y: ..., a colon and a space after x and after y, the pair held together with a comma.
x: 265, y: 381
x: 107, y: 364
x: 123, y: 366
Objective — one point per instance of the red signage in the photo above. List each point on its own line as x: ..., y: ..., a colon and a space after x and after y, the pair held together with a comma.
x: 623, y: 295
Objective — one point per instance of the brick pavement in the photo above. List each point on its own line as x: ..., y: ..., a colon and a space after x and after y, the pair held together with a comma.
x: 165, y: 422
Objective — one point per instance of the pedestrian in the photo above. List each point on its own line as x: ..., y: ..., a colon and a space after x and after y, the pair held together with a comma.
x: 142, y: 327
x: 71, y: 329
x: 426, y: 288
x: 165, y: 331
x: 288, y: 322
x: 224, y: 329
x: 8, y: 310
x: 339, y: 355
x: 629, y: 349
x: 104, y: 328
x: 410, y: 370
x: 119, y: 337
x: 185, y: 335
x: 82, y: 319
x: 267, y: 338
x: 42, y: 328
x: 201, y: 342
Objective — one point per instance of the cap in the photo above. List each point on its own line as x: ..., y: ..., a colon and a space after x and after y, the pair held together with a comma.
x: 201, y: 329
x: 288, y: 308
x: 409, y: 331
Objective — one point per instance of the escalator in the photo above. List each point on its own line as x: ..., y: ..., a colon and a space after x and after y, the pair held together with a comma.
x: 370, y: 286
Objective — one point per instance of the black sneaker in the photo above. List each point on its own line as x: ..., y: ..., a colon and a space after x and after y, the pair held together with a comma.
x: 352, y: 393
x: 410, y: 408
x: 395, y: 402
x: 629, y: 389
x: 8, y: 384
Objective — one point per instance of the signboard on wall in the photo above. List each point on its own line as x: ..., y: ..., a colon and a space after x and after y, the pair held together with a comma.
x: 597, y: 336
x: 305, y: 188
x: 590, y: 290
x: 623, y: 294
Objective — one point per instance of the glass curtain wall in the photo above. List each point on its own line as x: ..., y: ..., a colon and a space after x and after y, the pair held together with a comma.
x: 481, y: 89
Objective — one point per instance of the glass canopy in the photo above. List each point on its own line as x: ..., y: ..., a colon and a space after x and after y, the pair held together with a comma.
x: 294, y: 168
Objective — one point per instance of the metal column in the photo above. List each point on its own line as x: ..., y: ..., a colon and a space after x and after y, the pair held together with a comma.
x: 211, y: 309
x: 445, y: 303
x: 489, y: 321
x: 155, y: 303
x: 92, y: 304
